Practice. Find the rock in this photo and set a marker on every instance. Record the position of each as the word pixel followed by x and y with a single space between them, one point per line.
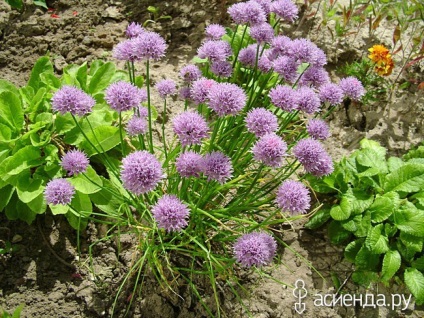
pixel 112 13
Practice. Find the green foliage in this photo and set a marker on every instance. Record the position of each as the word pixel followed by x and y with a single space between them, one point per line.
pixel 379 213
pixel 19 4
pixel 15 314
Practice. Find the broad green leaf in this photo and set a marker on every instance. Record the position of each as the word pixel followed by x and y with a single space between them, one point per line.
pixel 5 133
pixel 82 208
pixel 95 65
pixel 381 209
pixel 363 224
pixel 394 163
pixel 43 65
pixel 391 264
pixel 87 183
pixel 408 178
pixel 38 205
pixel 28 189
pixel 63 123
pixel 418 263
pixel 6 86
pixel 59 209
pixel 105 138
pixel 50 80
pixel 337 233
pixel 318 219
pixel 105 200
pixel 374 145
pixel 413 243
pixel 409 219
pixel 41 3
pixel 375 241
pixel 420 199
pixel 370 158
pixel 11 113
pixel 351 223
pixel 415 153
pixel 6 195
pixel 82 76
pixel 16 209
pixel 414 280
pixel 366 260
pixel 15 4
pixel 365 278
pixel 24 158
pixel 101 78
pixel 339 214
pixel 352 249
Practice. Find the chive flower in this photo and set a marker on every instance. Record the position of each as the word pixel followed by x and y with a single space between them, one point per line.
pixel 262 33
pixel 255 249
pixel 190 128
pixel 261 121
pixel 149 45
pixel 59 191
pixel 313 157
pixel 285 9
pixel 214 32
pixel 226 99
pixel 73 100
pixel 308 100
pixel 286 67
pixel 270 150
pixel 190 73
pixel 137 125
pixel 215 50
pixel 284 97
pixel 166 87
pixel 318 129
pixel 75 162
pixel 170 213
pixel 133 30
pixel 217 166
pixel 122 96
pixel 331 93
pixel 352 88
pixel 189 164
pixel 222 68
pixel 199 91
pixel 293 197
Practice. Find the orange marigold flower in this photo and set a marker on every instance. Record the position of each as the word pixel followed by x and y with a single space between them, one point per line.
pixel 383 60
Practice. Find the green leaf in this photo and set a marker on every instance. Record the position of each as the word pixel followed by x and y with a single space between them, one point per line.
pixel 370 158
pixel 41 3
pixel 414 280
pixel 420 199
pixel 375 241
pixel 363 224
pixel 63 123
pixel 82 76
pixel 365 278
pixel 408 178
pixel 351 223
pixel 101 78
pixel 59 209
pixel 24 158
pixel 105 138
pixel 11 113
pixel 409 219
pixel 6 86
pixel 352 249
pixel 28 189
pixel 366 260
pixel 391 264
pixel 5 133
pixel 43 65
pixel 394 163
pixel 6 195
pixel 318 219
pixel 15 4
pixel 105 201
pixel 16 209
pixel 50 80
pixel 418 263
pixel 337 233
pixel 337 213
pixel 82 208
pixel 413 243
pixel 381 209
pixel 374 145
pixel 87 183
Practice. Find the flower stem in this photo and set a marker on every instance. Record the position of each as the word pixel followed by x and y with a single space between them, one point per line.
pixel 149 107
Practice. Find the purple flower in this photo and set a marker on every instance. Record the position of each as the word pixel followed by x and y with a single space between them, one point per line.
pixel 264 63
pixel 190 73
pixel 352 88
pixel 189 164
pixel 280 45
pixel 221 68
pixel 59 191
pixel 312 155
pixel 265 4
pixel 285 9
pixel 217 50
pixel 270 150
pixel 286 67
pixel 136 126
pixel 247 55
pixel 261 121
pixel 214 31
pixel 75 162
pixel 318 129
pixel 318 58
pixel 284 97
pixel 262 32
pixel 73 100
pixel 123 51
pixel 308 100
pixel 123 96
pixel 331 93
pixel 293 196
pixel 143 112
pixel 247 12
pixel 314 76
pixel 134 29
pixel 149 45
pixel 166 87
pixel 255 249
pixel 170 213
pixel 141 172
pixel 302 50
pixel 226 99
pixel 185 93
pixel 199 91
pixel 217 166
pixel 190 128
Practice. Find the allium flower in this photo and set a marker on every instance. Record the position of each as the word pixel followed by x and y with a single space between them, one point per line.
pixel 190 128
pixel 226 99
pixel 318 129
pixel 59 191
pixel 318 58
pixel 189 164
pixel 75 162
pixel 134 29
pixel 123 51
pixel 247 55
pixel 265 4
pixel 352 88
pixel 331 93
pixel 143 112
pixel 190 73
pixel 222 68
pixel 166 87
pixel 264 63
pixel 286 67
pixel 217 50
pixel 170 213
pixel 122 96
pixel 149 45
pixel 293 196
pixel 270 150
pixel 314 76
pixel 285 9
pixel 141 172
pixel 312 155
pixel 185 93
pixel 308 100
pixel 199 91
pixel 73 100
pixel 214 31
pixel 284 97
pixel 261 121
pixel 217 166
pixel 280 45
pixel 136 126
pixel 262 32
pixel 302 50
pixel 255 249
pixel 247 12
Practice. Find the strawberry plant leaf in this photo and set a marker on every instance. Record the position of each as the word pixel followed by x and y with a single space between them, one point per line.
pixel 391 264
pixel 414 280
pixel 408 178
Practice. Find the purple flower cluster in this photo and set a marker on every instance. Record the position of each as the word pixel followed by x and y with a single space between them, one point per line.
pixel 261 121
pixel 270 150
pixel 214 32
pixel 137 125
pixel 73 100
pixel 286 67
pixel 189 164
pixel 352 88
pixel 312 155
pixel 75 162
pixel 226 99
pixel 200 88
pixel 170 213
pixel 314 76
pixel 331 93
pixel 190 73
pixel 222 68
pixel 255 249
pixel 217 166
pixel 122 96
pixel 285 9
pixel 293 196
pixel 141 172
pixel 318 129
pixel 190 128
pixel 166 87
pixel 59 191
pixel 133 30
pixel 247 55
pixel 215 50
pixel 247 12
pixel 308 100
pixel 280 45
pixel 284 97
pixel 262 33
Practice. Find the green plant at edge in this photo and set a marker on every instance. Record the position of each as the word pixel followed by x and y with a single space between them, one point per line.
pixel 15 314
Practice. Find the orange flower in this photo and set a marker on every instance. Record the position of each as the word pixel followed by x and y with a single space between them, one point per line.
pixel 383 60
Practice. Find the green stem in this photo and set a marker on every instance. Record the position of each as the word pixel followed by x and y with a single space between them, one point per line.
pixel 163 128
pixel 149 107
pixel 121 135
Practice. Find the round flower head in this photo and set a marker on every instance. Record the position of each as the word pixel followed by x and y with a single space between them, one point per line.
pixel 226 99
pixel 261 121
pixel 308 100
pixel 190 73
pixel 285 9
pixel 270 150
pixel 284 97
pixel 255 249
pixel 352 88
pixel 141 172
pixel 122 96
pixel 73 100
pixel 214 31
pixel 312 155
pixel 74 162
pixel 185 93
pixel 59 191
pixel 286 67
pixel 149 45
pixel 215 50
pixel 199 91
pixel 302 50
pixel 318 129
pixel 262 32
pixel 134 29
pixel 318 58
pixel 190 128
pixel 166 87
pixel 314 76
pixel 123 51
pixel 264 63
pixel 293 197
pixel 222 68
pixel 189 164
pixel 280 45
pixel 247 55
pixel 136 126
pixel 331 93
pixel 265 4
pixel 217 166
pixel 170 213
pixel 143 112
pixel 247 12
